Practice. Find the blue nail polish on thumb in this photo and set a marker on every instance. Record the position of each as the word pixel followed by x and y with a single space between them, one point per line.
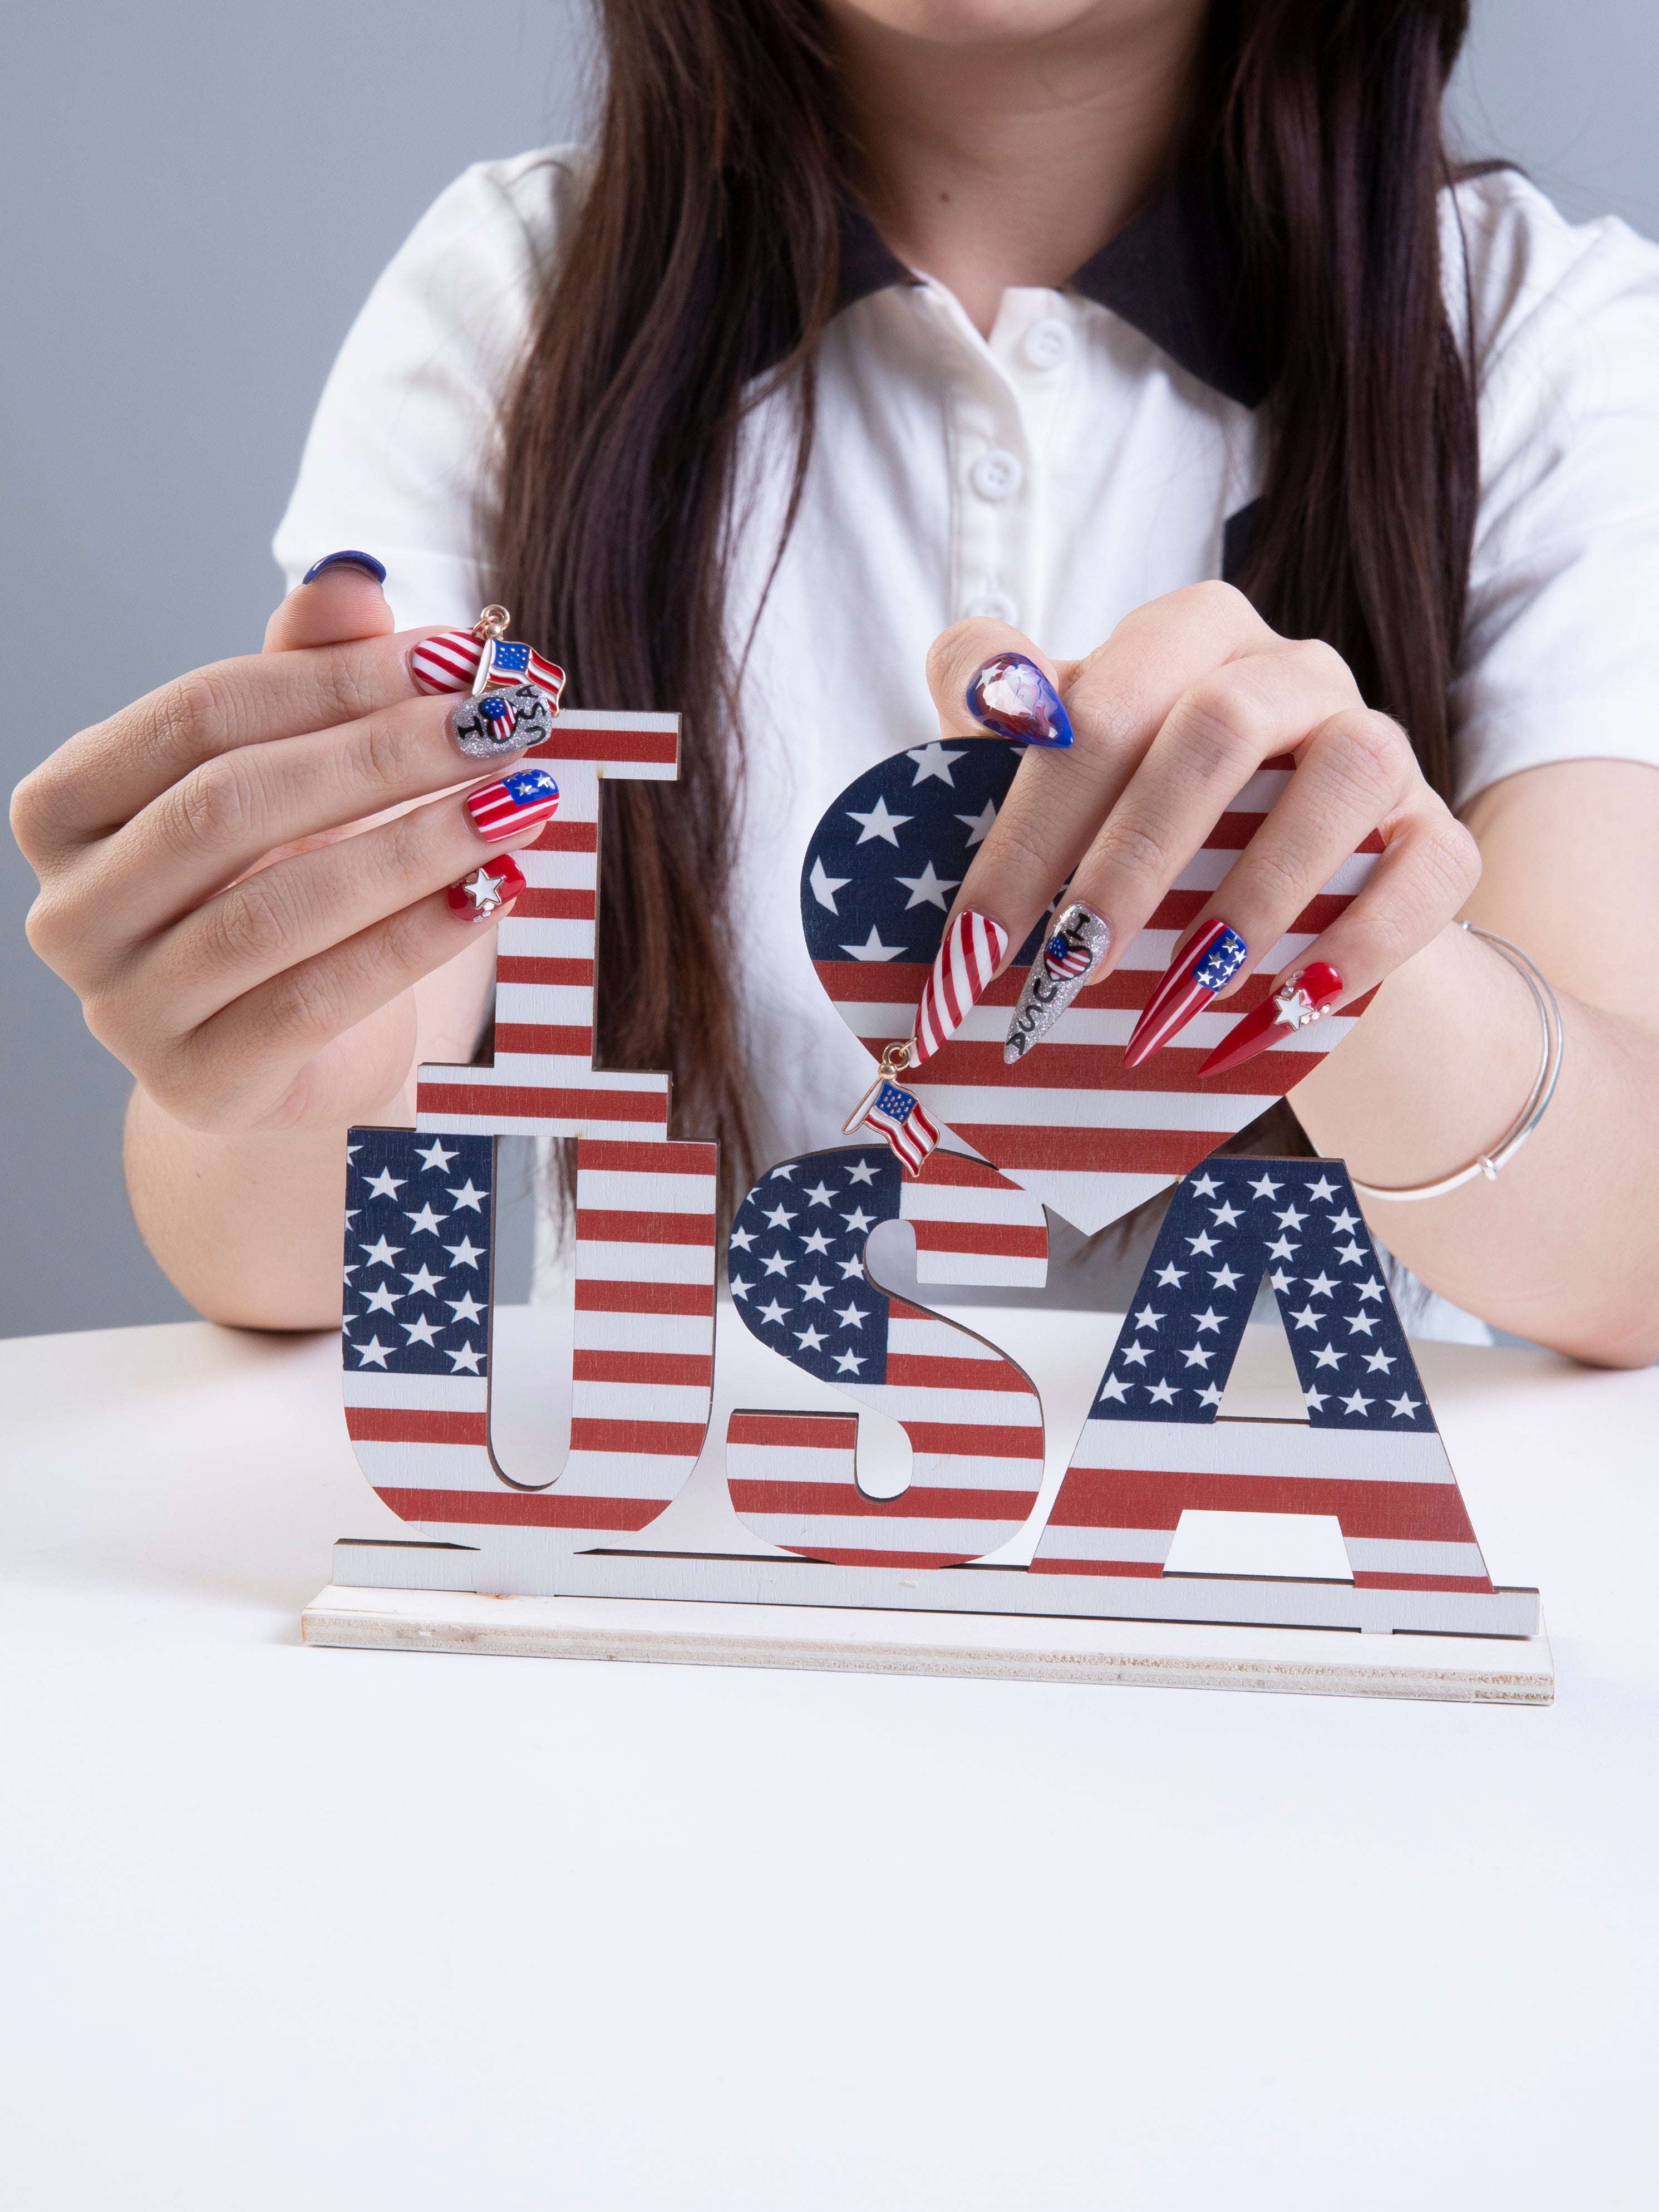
pixel 1011 695
pixel 363 561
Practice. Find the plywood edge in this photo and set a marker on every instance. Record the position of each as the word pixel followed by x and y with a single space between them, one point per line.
pixel 1167 1655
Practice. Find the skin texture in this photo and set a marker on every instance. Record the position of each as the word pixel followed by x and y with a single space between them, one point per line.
pixel 249 903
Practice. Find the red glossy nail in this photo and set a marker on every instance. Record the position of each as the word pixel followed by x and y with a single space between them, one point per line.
pixel 492 885
pixel 1301 998
pixel 523 796
pixel 1191 981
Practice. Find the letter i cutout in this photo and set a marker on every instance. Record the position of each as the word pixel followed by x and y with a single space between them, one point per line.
pixel 420 1212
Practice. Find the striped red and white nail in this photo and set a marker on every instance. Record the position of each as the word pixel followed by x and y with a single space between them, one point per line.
pixel 969 956
pixel 501 809
pixel 492 885
pixel 448 661
pixel 1308 996
pixel 1191 981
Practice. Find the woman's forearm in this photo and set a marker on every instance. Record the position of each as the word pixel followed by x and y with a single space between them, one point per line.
pixel 1563 1246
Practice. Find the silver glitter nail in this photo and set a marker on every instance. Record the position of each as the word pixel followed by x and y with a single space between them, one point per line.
pixel 478 728
pixel 1072 949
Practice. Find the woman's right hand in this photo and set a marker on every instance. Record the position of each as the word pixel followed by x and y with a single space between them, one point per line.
pixel 238 880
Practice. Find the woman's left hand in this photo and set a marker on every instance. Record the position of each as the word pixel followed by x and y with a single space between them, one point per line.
pixel 1171 717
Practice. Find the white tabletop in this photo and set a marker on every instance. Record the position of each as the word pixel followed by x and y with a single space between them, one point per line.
pixel 330 1929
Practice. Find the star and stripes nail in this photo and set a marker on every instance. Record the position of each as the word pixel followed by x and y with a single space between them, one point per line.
pixel 502 809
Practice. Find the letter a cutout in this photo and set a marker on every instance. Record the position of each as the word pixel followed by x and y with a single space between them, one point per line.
pixel 420 1217
pixel 1369 1455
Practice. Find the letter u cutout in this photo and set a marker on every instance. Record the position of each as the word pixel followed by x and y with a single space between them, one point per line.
pixel 420 1217
pixel 799 1277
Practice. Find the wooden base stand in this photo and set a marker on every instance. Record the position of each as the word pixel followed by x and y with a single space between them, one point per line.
pixel 1488 1670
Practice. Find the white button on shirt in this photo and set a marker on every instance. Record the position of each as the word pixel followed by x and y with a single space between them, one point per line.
pixel 1057 474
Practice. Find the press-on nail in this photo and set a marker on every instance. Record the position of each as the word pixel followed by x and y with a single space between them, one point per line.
pixel 501 722
pixel 1011 695
pixel 489 888
pixel 500 810
pixel 1302 999
pixel 364 561
pixel 974 945
pixel 1192 980
pixel 1071 951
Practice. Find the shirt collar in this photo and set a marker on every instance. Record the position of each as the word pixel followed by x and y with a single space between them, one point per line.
pixel 1169 272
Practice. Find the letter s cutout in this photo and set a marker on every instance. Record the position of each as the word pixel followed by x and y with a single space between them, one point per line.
pixel 800 1279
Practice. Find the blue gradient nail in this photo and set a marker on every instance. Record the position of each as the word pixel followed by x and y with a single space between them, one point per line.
pixel 364 561
pixel 1011 695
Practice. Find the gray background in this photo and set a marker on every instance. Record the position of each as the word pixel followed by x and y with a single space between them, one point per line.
pixel 199 197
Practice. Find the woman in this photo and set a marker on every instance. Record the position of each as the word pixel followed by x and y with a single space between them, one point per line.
pixel 1199 299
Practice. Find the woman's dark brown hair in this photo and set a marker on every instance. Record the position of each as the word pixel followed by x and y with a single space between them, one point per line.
pixel 705 256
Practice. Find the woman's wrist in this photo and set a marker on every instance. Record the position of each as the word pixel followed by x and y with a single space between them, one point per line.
pixel 1436 1071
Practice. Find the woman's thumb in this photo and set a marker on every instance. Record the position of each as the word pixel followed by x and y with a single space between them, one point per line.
pixel 339 600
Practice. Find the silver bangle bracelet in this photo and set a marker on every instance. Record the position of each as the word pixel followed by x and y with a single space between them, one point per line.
pixel 1543 1090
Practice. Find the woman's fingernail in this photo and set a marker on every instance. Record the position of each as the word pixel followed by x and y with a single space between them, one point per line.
pixel 500 810
pixel 364 561
pixel 501 722
pixel 1011 695
pixel 1071 952
pixel 488 888
pixel 446 661
pixel 1306 997
pixel 1194 975
pixel 973 946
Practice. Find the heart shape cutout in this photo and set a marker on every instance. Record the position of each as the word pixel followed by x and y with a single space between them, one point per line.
pixel 1068 1122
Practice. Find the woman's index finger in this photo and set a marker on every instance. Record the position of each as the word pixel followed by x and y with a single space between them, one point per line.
pixel 104 776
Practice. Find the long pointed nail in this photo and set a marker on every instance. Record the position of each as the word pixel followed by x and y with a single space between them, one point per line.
pixel 973 948
pixel 365 561
pixel 1011 695
pixel 500 810
pixel 501 722
pixel 1070 953
pixel 1191 981
pixel 1306 997
pixel 489 888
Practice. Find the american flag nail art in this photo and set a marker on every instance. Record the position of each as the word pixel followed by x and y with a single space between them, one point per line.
pixel 1072 949
pixel 974 945
pixel 501 809
pixel 448 661
pixel 1192 980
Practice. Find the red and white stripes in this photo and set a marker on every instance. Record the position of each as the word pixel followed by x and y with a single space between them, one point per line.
pixel 1402 1516
pixel 975 1422
pixel 543 1081
pixel 964 964
pixel 448 661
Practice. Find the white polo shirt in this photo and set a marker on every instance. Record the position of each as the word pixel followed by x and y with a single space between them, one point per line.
pixel 1101 447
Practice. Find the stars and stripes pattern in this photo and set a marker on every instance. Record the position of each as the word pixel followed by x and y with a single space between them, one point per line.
pixel 797 1272
pixel 963 966
pixel 419 1229
pixel 1066 1122
pixel 448 661
pixel 543 1081
pixel 524 795
pixel 1369 1453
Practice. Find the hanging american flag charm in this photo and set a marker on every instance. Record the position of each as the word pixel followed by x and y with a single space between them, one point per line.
pixel 896 1114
